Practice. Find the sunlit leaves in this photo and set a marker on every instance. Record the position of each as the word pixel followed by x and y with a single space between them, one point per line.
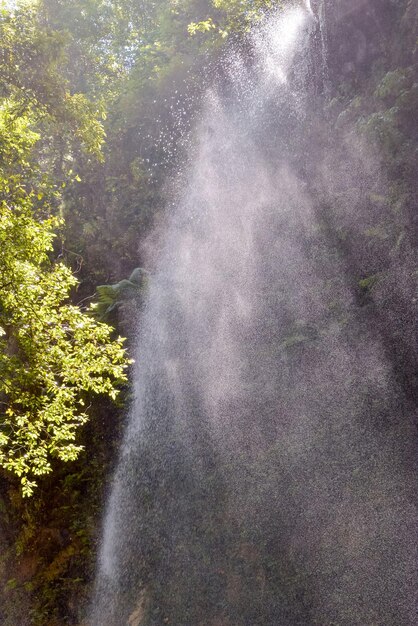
pixel 53 355
pixel 232 16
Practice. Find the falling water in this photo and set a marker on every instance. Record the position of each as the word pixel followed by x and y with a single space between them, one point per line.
pixel 264 478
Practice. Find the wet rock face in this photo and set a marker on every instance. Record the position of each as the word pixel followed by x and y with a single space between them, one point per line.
pixel 357 34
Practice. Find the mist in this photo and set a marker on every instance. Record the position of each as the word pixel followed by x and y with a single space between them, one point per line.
pixel 267 473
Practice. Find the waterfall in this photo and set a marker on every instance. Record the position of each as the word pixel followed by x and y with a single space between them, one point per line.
pixel 263 475
pixel 322 20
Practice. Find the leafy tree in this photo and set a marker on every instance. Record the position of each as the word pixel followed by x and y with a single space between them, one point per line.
pixel 231 17
pixel 53 355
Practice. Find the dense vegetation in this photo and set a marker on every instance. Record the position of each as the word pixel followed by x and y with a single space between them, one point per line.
pixel 95 96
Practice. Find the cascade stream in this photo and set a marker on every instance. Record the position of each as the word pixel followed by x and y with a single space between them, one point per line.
pixel 265 473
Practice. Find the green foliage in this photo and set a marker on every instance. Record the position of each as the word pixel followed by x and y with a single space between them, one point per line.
pixel 87 132
pixel 52 354
pixel 393 84
pixel 231 16
pixel 241 13
pixel 109 297
pixel 367 284
pixel 32 56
